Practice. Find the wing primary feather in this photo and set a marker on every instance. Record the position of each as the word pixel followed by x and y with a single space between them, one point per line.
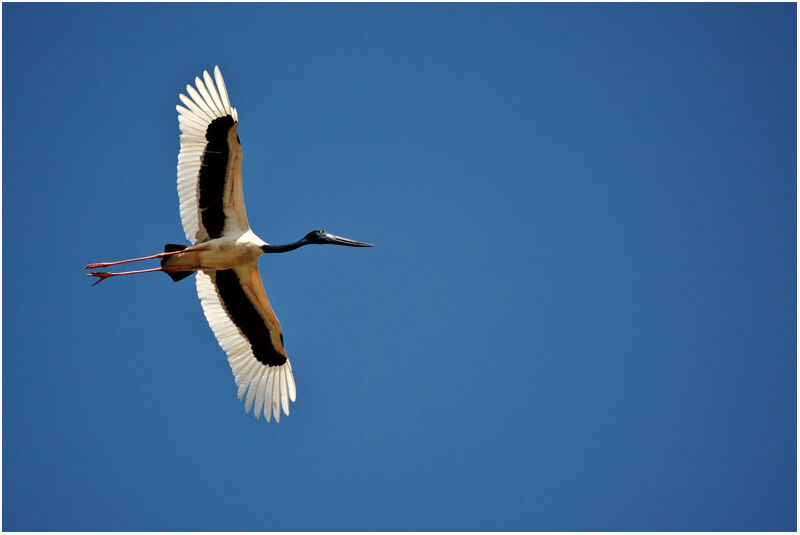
pixel 223 91
pixel 200 102
pixel 268 395
pixel 284 392
pixel 206 95
pixel 213 92
pixel 259 407
pixel 193 106
pixel 276 407
pixel 290 382
pixel 245 378
pixel 251 391
pixel 193 121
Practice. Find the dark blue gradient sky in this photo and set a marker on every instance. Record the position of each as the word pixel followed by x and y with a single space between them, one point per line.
pixel 580 315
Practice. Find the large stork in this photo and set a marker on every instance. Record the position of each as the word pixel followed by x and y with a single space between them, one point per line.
pixel 224 251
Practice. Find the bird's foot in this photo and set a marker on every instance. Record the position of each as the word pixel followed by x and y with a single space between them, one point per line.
pixel 99 265
pixel 101 276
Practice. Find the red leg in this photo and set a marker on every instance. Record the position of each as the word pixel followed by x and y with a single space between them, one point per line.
pixel 159 255
pixel 103 275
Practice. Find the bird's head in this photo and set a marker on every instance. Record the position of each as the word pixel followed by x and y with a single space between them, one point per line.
pixel 322 237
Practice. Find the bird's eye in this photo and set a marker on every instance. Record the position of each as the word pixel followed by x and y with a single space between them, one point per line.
pixel 320 232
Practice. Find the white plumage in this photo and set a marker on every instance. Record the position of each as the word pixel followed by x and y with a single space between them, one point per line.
pixel 246 369
pixel 193 121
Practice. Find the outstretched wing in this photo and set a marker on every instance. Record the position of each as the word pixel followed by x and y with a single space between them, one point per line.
pixel 246 328
pixel 210 162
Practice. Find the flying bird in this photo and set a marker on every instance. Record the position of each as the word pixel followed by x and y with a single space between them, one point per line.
pixel 224 251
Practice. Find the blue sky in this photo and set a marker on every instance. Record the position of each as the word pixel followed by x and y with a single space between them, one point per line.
pixel 581 311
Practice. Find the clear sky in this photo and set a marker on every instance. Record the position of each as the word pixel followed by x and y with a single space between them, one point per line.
pixel 580 313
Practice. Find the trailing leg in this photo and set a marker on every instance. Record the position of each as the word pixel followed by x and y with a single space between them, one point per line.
pixel 180 271
pixel 168 251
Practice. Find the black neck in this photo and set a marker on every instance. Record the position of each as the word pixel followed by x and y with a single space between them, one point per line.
pixel 284 248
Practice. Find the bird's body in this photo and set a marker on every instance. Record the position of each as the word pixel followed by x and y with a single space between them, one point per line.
pixel 224 251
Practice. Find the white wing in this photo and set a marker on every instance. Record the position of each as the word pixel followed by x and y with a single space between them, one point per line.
pixel 209 162
pixel 237 309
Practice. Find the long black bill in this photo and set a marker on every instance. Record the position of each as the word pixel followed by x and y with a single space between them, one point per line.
pixel 338 240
